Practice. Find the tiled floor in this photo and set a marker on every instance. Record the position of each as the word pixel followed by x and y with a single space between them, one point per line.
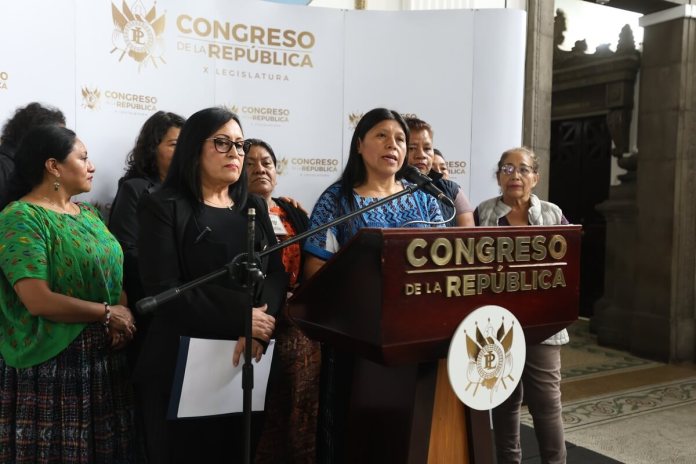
pixel 575 389
pixel 590 370
pixel 623 407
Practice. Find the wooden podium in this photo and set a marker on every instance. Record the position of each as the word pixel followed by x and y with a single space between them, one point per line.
pixel 394 298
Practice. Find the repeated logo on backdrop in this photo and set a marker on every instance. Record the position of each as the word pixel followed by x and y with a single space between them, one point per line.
pixel 308 166
pixel 138 34
pixel 262 115
pixel 4 78
pixel 281 165
pixel 90 97
pixel 456 167
pixel 353 119
pixel 121 101
pixel 266 114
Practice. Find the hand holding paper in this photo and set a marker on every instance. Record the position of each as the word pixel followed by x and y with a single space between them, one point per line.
pixel 256 350
pixel 207 384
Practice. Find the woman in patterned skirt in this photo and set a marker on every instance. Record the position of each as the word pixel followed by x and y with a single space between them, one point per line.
pixel 290 427
pixel 64 391
pixel 375 168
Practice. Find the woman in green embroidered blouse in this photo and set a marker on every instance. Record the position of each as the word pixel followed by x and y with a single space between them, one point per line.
pixel 64 391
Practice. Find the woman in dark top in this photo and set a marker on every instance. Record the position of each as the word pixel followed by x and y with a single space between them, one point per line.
pixel 439 164
pixel 292 402
pixel 148 164
pixel 421 155
pixel 193 225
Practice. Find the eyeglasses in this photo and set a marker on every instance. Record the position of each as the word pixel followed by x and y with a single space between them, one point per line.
pixel 223 145
pixel 509 169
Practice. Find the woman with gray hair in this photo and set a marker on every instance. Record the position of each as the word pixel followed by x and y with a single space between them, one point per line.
pixel 517 175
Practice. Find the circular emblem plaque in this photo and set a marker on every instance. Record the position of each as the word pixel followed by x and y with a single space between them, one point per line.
pixel 486 357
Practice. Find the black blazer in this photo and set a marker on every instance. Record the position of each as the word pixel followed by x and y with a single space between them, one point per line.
pixel 209 311
pixel 123 223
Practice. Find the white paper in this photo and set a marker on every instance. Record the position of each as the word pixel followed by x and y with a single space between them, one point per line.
pixel 213 386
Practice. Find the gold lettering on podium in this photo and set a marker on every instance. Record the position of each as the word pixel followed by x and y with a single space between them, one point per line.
pixel 446 252
pixel 416 244
pixel 474 265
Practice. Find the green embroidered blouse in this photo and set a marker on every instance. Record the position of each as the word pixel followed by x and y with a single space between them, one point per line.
pixel 76 255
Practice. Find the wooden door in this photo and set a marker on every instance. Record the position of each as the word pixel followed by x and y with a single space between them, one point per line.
pixel 579 180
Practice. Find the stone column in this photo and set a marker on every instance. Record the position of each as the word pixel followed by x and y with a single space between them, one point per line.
pixel 538 75
pixel 664 320
pixel 614 310
pixel 621 212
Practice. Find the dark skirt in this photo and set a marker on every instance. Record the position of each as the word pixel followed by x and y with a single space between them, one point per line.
pixel 292 401
pixel 76 407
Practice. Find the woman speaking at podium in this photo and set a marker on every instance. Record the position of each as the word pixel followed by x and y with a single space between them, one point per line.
pixel 517 175
pixel 195 224
pixel 375 170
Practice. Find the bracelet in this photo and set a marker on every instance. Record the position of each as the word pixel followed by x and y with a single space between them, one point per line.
pixel 107 316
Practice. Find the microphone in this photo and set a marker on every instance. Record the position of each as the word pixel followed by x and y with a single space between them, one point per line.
pixel 424 182
pixel 205 232
pixel 149 304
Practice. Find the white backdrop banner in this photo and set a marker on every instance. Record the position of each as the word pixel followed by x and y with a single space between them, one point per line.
pixel 37 56
pixel 298 77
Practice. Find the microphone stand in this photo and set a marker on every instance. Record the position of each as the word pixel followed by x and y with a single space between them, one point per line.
pixel 253 277
pixel 150 303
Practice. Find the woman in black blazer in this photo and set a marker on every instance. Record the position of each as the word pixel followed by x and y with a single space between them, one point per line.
pixel 147 166
pixel 196 223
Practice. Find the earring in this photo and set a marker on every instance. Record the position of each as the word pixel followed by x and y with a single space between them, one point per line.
pixel 56 184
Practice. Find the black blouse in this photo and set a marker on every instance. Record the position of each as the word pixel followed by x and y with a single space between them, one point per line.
pixel 210 247
pixel 177 245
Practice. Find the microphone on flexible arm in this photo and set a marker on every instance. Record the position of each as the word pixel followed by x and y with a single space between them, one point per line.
pixel 413 175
